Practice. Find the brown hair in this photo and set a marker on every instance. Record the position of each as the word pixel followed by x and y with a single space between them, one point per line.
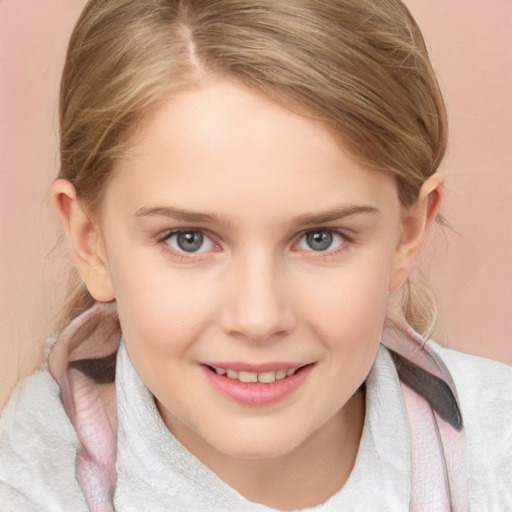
pixel 360 66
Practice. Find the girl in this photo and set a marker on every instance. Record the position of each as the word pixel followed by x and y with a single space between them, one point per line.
pixel 245 186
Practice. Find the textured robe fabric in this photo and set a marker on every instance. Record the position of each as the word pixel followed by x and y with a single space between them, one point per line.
pixel 39 446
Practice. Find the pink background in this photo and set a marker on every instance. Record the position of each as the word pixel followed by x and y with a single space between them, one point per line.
pixel 471 268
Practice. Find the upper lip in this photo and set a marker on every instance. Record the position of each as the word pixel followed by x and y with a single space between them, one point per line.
pixel 254 368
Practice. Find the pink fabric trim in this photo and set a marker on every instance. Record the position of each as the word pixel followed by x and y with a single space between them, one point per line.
pixel 451 444
pixel 90 406
pixel 430 492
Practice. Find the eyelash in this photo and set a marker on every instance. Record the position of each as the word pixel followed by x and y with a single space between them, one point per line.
pixel 183 256
pixel 329 253
pixel 196 256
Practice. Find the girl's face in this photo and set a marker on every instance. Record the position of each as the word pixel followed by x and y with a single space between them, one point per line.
pixel 240 236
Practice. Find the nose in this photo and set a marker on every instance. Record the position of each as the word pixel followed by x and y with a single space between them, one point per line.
pixel 257 305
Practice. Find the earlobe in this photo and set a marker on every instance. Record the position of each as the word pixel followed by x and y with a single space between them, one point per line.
pixel 85 240
pixel 415 223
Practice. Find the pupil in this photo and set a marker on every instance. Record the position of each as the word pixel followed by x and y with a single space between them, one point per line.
pixel 190 241
pixel 319 240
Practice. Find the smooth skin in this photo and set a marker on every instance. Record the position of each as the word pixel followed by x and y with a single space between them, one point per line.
pixel 288 251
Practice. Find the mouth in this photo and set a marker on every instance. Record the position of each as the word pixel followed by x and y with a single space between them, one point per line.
pixel 257 388
pixel 267 377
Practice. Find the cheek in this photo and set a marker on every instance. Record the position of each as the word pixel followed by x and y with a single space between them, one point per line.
pixel 347 307
pixel 161 309
pixel 162 317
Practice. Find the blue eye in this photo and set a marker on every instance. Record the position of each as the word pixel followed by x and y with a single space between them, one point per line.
pixel 321 240
pixel 189 241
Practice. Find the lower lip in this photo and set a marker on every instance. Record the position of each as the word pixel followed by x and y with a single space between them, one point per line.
pixel 257 393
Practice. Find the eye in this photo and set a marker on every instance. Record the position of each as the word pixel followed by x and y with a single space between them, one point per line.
pixel 321 240
pixel 189 241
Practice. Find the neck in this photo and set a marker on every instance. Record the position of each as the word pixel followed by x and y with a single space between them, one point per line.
pixel 305 477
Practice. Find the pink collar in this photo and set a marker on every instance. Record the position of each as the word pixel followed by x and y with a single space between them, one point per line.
pixel 82 361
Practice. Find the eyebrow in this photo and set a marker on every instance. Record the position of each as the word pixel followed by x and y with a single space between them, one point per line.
pixel 332 215
pixel 300 220
pixel 180 214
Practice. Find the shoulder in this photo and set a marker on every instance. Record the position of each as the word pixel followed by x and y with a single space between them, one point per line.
pixel 484 388
pixel 38 447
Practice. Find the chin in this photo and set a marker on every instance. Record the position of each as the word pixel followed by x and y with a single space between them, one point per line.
pixel 258 451
pixel 259 444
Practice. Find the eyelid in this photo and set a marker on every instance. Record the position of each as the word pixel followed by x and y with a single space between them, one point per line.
pixel 347 240
pixel 184 255
pixel 164 235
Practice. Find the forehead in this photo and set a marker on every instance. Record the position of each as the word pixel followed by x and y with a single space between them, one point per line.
pixel 225 146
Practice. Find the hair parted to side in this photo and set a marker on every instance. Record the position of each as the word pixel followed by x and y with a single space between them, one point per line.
pixel 360 66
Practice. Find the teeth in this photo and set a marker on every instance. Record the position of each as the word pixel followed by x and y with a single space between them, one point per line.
pixel 247 377
pixel 280 374
pixel 264 378
pixel 267 377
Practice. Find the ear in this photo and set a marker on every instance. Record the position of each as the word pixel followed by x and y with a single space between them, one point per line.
pixel 415 223
pixel 85 239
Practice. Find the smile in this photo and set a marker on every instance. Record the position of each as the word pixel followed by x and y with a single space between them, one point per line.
pixel 264 377
pixel 256 388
